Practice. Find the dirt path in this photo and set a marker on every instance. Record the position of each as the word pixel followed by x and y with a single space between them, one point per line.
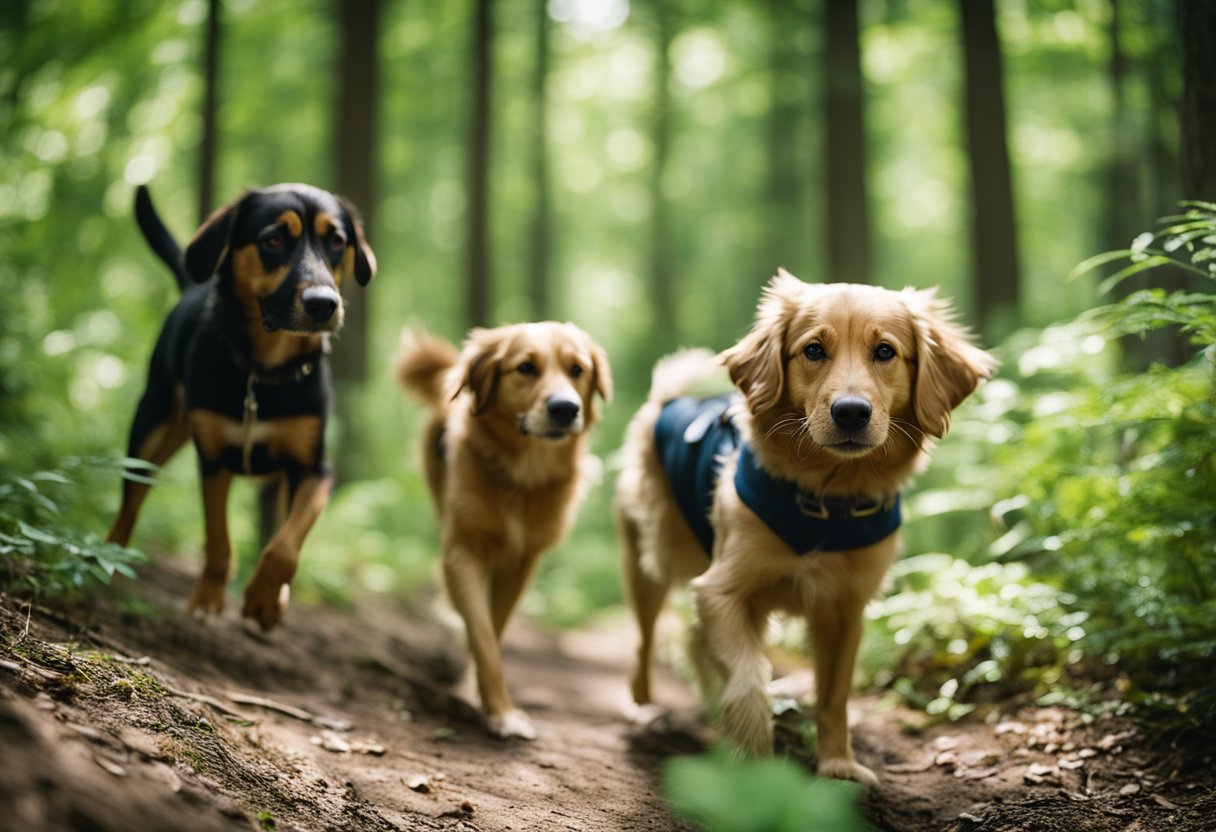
pixel 127 715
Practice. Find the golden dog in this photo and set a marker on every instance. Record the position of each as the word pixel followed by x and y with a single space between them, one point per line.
pixel 506 459
pixel 843 388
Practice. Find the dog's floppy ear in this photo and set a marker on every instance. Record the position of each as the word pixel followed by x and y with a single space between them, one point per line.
pixel 949 365
pixel 602 372
pixel 480 367
pixel 757 362
pixel 208 250
pixel 365 258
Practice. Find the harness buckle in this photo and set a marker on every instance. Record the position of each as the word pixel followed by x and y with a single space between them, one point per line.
pixel 812 506
pixel 865 509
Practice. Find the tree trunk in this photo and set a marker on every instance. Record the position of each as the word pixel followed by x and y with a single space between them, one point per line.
pixel 477 244
pixel 781 190
pixel 994 250
pixel 1197 31
pixel 355 172
pixel 542 212
pixel 1123 218
pixel 207 144
pixel 847 208
pixel 662 267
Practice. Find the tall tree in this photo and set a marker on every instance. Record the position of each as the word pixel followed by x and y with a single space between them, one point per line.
pixel 994 249
pixel 847 208
pixel 781 190
pixel 1123 218
pixel 477 242
pixel 1197 30
pixel 354 165
pixel 662 264
pixel 542 210
pixel 207 144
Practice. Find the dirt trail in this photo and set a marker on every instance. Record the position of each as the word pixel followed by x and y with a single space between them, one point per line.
pixel 128 715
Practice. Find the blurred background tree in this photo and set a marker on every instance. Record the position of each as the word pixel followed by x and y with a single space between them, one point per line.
pixel 641 168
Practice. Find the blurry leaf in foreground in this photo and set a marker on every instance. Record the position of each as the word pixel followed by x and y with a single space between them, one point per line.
pixel 721 794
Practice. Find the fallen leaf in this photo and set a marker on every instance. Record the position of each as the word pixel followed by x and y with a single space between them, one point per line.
pixel 419 783
pixel 1130 788
pixel 1111 740
pixel 946 758
pixel 331 741
pixel 976 773
pixel 1040 769
pixel 945 743
pixel 1168 804
pixel 1009 727
pixel 1071 765
pixel 112 767
pixel 367 747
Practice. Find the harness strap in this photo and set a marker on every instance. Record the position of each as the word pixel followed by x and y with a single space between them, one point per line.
pixel 693 437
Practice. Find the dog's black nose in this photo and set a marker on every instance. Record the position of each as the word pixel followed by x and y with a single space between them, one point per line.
pixel 320 302
pixel 562 410
pixel 851 413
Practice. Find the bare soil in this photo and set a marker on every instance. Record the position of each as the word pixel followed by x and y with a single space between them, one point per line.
pixel 123 713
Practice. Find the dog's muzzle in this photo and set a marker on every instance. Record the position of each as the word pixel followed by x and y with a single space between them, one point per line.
pixel 562 410
pixel 320 303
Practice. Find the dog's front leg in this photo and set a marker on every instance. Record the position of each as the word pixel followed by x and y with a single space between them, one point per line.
pixel 267 593
pixel 731 633
pixel 835 635
pixel 468 583
pixel 208 594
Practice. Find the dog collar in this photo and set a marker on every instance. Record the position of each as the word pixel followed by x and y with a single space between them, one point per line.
pixel 694 436
pixel 293 371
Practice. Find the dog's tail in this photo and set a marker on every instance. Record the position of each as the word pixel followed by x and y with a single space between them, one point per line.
pixel 423 361
pixel 158 237
pixel 690 372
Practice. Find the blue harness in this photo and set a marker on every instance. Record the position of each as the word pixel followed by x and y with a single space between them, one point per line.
pixel 693 436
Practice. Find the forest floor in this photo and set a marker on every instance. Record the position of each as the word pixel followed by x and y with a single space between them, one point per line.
pixel 123 713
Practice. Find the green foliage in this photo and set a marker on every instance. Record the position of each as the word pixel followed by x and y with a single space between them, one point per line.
pixel 1101 488
pixel 722 794
pixel 39 550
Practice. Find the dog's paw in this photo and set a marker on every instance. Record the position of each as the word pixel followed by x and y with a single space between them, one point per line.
pixel 266 601
pixel 645 714
pixel 207 598
pixel 839 768
pixel 513 723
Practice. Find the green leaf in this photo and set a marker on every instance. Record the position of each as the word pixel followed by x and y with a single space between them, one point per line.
pixel 1147 263
pixel 36 534
pixel 1098 260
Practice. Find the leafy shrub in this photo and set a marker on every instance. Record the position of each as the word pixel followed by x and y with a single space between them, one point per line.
pixel 1100 487
pixel 42 552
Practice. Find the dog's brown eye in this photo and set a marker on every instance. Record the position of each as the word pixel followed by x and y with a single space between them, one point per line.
pixel 575 370
pixel 337 242
pixel 527 369
pixel 814 351
pixel 274 242
pixel 884 353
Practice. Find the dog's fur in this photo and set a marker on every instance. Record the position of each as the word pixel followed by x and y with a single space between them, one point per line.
pixel 810 347
pixel 505 454
pixel 240 368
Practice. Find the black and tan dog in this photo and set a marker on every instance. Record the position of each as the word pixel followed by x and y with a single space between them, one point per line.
pixel 240 367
